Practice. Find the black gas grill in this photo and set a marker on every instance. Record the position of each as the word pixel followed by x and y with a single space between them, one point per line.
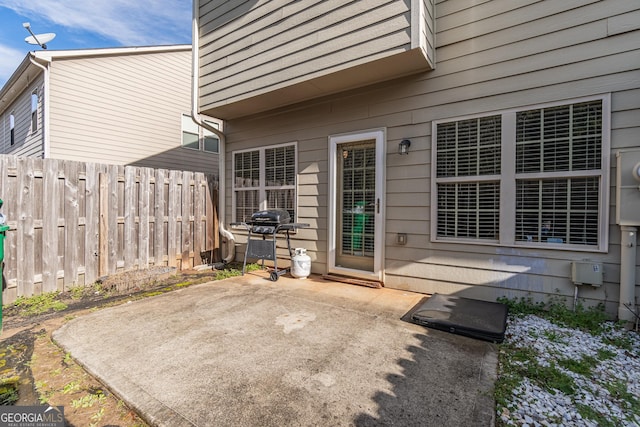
pixel 263 224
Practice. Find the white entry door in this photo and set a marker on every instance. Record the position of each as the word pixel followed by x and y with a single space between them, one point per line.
pixel 356 205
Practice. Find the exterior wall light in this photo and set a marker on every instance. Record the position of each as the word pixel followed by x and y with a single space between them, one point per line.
pixel 403 147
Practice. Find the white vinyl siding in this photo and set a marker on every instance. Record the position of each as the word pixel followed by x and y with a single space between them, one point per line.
pixel 556 172
pixel 264 179
pixel 124 109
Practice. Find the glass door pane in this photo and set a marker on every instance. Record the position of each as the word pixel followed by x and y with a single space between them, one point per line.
pixel 356 197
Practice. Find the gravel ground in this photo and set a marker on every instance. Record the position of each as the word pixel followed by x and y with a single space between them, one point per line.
pixel 599 375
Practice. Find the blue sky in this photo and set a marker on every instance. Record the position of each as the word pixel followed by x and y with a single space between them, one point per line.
pixel 86 24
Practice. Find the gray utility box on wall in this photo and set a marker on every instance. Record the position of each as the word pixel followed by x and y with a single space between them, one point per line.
pixel 628 187
pixel 586 273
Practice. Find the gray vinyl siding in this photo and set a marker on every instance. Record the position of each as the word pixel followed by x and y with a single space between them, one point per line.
pixel 27 143
pixel 252 48
pixel 124 109
pixel 491 56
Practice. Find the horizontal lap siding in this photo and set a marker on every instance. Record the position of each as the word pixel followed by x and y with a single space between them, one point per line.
pixel 124 110
pixel 27 143
pixel 491 55
pixel 515 58
pixel 277 43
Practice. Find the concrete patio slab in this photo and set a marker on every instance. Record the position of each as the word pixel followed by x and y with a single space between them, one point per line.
pixel 250 352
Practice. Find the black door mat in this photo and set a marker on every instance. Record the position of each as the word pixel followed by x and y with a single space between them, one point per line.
pixel 463 316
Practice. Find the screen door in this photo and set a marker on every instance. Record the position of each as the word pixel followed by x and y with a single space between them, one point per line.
pixel 356 215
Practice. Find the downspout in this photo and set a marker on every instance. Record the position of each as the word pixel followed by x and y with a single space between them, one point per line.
pixel 227 237
pixel 626 307
pixel 45 107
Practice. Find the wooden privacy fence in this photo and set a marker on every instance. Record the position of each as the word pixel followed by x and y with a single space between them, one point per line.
pixel 71 222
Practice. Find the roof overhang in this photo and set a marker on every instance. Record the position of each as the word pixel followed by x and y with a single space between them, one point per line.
pixel 21 78
pixel 384 69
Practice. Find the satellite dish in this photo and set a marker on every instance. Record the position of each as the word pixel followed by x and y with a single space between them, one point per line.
pixel 38 39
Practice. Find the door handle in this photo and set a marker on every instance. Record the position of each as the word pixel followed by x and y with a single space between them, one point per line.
pixel 378 205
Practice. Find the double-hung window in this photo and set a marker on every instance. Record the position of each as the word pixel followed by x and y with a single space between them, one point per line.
pixel 528 177
pixel 197 137
pixel 264 178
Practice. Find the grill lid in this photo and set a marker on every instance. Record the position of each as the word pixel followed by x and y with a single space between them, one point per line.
pixel 271 217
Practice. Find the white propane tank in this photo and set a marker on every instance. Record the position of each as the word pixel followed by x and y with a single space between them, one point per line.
pixel 300 264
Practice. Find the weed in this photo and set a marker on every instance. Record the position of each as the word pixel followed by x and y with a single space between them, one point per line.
pixel 71 387
pixel 604 354
pixel 552 374
pixel 582 366
pixel 551 378
pixel 227 273
pixel 67 360
pixel 589 413
pixel 89 400
pixel 8 395
pixel 552 336
pixel 152 294
pixel 39 304
pixel 590 319
pixel 77 292
pixel 9 388
pixel 624 343
pixel 44 393
pixel 183 284
pixel 518 363
pixel 620 392
pixel 231 271
pixel 522 306
pixel 97 416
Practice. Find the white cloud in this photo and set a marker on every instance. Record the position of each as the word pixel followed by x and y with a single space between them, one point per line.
pixel 130 23
pixel 11 58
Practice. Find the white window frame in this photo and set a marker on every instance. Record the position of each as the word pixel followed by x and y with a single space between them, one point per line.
pixel 507 179
pixel 12 129
pixel 262 187
pixel 34 111
pixel 200 132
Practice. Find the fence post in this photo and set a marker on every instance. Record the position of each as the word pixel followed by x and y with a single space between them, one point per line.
pixel 103 228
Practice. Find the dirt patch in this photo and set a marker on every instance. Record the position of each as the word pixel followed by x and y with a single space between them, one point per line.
pixel 35 371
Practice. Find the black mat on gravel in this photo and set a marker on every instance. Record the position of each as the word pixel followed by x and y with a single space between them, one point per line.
pixel 463 316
